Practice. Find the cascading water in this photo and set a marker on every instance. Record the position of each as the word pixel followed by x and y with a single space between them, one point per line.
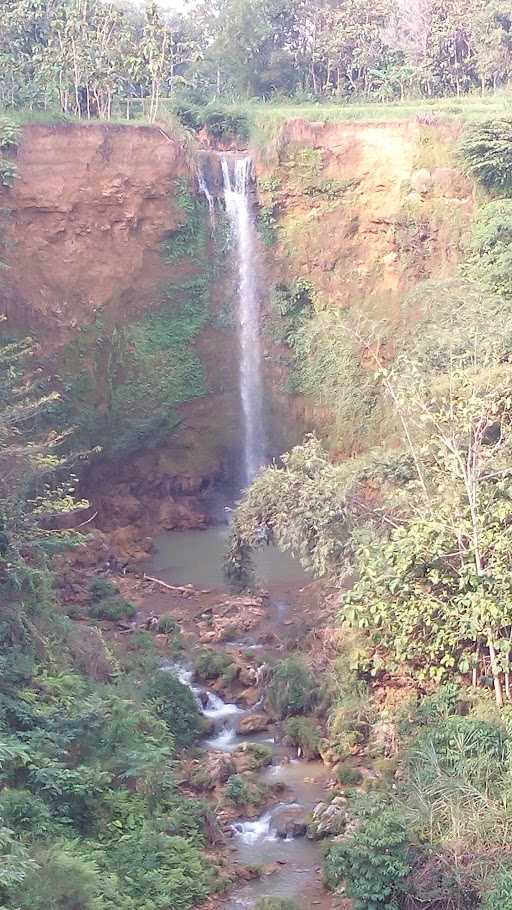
pixel 236 174
pixel 205 190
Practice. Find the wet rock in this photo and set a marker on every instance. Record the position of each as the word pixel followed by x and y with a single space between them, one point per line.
pixel 247 676
pixel 253 723
pixel 291 822
pixel 249 697
pixel 328 819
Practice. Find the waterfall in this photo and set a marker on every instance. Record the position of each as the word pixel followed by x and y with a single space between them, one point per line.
pixel 236 176
pixel 204 189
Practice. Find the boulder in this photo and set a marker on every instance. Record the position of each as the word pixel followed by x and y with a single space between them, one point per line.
pixel 253 723
pixel 216 769
pixel 290 822
pixel 328 819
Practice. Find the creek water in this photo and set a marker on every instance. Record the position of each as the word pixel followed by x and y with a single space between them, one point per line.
pixel 196 557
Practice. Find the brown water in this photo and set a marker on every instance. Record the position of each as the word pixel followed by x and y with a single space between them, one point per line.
pixel 196 557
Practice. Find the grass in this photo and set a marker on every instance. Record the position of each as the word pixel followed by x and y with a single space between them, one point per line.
pixel 266 118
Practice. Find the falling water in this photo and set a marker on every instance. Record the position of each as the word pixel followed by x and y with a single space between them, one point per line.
pixel 237 183
pixel 205 190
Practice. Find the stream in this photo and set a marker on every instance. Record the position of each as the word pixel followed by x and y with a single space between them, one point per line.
pixel 196 557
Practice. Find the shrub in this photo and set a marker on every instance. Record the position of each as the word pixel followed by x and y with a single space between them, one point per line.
pixel 176 705
pixel 167 625
pixel 62 881
pixel 24 812
pixel 487 151
pixel 101 588
pixel 210 664
pixel 113 609
pixel 304 734
pixel 292 688
pixel 500 895
pixel 237 790
pixel 348 775
pixel 227 125
pixel 261 753
pixel 374 862
pixel 161 871
pixel 229 675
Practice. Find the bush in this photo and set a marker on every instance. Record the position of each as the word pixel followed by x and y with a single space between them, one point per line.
pixel 224 125
pixel 304 734
pixel 100 588
pixel 167 625
pixel 500 895
pixel 210 664
pixel 25 813
pixel 487 151
pixel 348 775
pixel 261 753
pixel 113 609
pixel 292 688
pixel 237 790
pixel 161 871
pixel 374 862
pixel 176 705
pixel 62 881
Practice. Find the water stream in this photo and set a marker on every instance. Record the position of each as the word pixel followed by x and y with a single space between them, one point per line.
pixel 196 556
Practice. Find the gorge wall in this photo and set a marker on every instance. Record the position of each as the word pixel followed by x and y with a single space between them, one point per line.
pixel 114 269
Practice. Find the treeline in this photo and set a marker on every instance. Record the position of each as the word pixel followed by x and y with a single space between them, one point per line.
pixel 96 59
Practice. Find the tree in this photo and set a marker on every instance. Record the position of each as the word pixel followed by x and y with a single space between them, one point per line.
pixel 437 592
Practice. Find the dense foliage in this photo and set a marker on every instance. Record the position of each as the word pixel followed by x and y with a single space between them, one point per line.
pixel 96 59
pixel 90 816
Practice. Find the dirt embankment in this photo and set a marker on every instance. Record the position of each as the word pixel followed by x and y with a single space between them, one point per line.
pixel 88 210
pixel 362 212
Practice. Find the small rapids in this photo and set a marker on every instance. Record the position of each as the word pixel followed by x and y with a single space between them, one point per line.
pixel 294 861
pixel 217 709
pixel 258 829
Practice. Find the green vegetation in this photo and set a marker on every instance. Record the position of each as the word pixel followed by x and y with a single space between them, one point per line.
pixel 374 861
pixel 486 150
pixel 112 608
pixel 347 775
pixel 210 664
pixel 167 625
pixel 96 61
pixel 304 734
pixel 87 772
pixel 124 383
pixel 176 706
pixel 292 689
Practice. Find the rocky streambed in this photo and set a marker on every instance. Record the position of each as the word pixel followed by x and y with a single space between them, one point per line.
pixel 273 842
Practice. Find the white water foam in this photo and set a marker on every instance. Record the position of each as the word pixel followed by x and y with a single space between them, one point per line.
pixel 256 830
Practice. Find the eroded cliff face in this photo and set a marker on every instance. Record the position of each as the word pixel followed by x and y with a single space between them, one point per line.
pixel 112 269
pixel 90 205
pixel 362 212
pixel 113 266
